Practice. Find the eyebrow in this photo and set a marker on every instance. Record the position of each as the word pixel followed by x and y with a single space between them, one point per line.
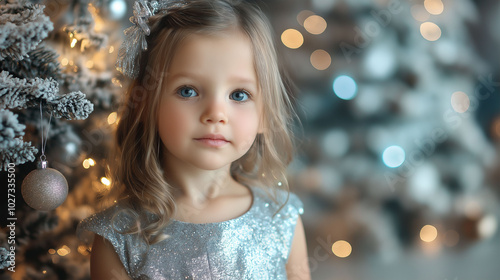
pixel 238 79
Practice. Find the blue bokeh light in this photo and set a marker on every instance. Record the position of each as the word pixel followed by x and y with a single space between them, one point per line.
pixel 393 156
pixel 118 8
pixel 345 87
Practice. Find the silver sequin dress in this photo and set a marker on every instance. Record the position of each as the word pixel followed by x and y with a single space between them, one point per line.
pixel 255 245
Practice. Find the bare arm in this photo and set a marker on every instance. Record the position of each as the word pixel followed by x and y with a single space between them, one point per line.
pixel 297 267
pixel 105 263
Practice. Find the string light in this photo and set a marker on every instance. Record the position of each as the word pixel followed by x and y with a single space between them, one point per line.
pixel 321 59
pixel 87 163
pixel 105 181
pixel 292 38
pixel 460 102
pixel 64 61
pixel 345 87
pixel 112 118
pixel 430 31
pixel 434 7
pixel 393 156
pixel 83 250
pixel 315 24
pixel 342 249
pixel 73 42
pixel 63 251
pixel 428 233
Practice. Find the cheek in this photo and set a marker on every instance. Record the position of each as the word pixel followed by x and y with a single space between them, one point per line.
pixel 171 122
pixel 246 130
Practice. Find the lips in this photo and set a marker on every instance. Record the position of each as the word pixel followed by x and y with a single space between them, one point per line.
pixel 212 140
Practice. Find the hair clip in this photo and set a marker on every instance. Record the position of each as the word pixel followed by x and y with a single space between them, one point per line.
pixel 135 36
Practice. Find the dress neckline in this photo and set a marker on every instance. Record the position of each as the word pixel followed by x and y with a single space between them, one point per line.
pixel 233 220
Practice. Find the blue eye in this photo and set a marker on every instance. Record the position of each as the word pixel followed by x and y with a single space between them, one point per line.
pixel 187 92
pixel 239 96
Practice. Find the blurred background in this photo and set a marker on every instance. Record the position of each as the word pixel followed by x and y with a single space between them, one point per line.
pixel 398 153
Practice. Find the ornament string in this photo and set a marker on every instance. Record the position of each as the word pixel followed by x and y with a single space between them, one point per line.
pixel 44 142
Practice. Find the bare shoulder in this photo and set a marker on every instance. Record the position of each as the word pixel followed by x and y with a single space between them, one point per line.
pixel 297 267
pixel 104 262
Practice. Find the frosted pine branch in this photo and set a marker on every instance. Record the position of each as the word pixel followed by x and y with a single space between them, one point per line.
pixel 10 129
pixel 22 93
pixel 41 62
pixel 22 28
pixel 19 152
pixel 71 106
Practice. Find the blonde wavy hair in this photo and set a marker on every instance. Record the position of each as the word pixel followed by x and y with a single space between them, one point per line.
pixel 136 171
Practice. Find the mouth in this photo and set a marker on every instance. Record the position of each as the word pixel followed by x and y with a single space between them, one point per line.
pixel 212 140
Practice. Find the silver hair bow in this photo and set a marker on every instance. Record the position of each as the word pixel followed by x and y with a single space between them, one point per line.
pixel 135 36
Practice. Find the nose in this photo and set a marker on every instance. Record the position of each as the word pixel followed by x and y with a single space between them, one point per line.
pixel 214 112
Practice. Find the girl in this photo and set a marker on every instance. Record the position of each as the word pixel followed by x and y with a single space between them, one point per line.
pixel 202 146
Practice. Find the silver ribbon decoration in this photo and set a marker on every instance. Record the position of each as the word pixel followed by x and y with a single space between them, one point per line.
pixel 135 38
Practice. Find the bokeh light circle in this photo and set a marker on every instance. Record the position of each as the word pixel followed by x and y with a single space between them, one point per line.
pixel 342 249
pixel 434 7
pixel 321 59
pixel 460 102
pixel 430 31
pixel 345 87
pixel 315 24
pixel 428 233
pixel 292 38
pixel 393 156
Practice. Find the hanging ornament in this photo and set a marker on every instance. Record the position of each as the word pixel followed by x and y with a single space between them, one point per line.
pixel 44 188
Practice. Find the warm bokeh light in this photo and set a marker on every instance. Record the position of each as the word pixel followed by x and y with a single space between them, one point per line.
pixel 87 163
pixel 428 233
pixel 321 59
pixel 303 15
pixel 434 7
pixel 393 156
pixel 111 49
pixel 315 24
pixel 419 13
pixel 460 102
pixel 105 181
pixel 63 251
pixel 73 42
pixel 64 61
pixel 342 249
pixel 451 238
pixel 83 250
pixel 52 251
pixel 430 31
pixel 112 118
pixel 292 38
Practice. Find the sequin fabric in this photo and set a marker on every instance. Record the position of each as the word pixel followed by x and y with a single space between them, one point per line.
pixel 255 245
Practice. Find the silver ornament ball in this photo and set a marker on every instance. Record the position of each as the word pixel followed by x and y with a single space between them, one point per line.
pixel 44 189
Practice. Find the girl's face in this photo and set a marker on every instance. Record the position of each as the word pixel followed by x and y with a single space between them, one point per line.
pixel 210 109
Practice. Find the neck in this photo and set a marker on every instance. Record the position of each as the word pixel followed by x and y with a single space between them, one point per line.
pixel 195 185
